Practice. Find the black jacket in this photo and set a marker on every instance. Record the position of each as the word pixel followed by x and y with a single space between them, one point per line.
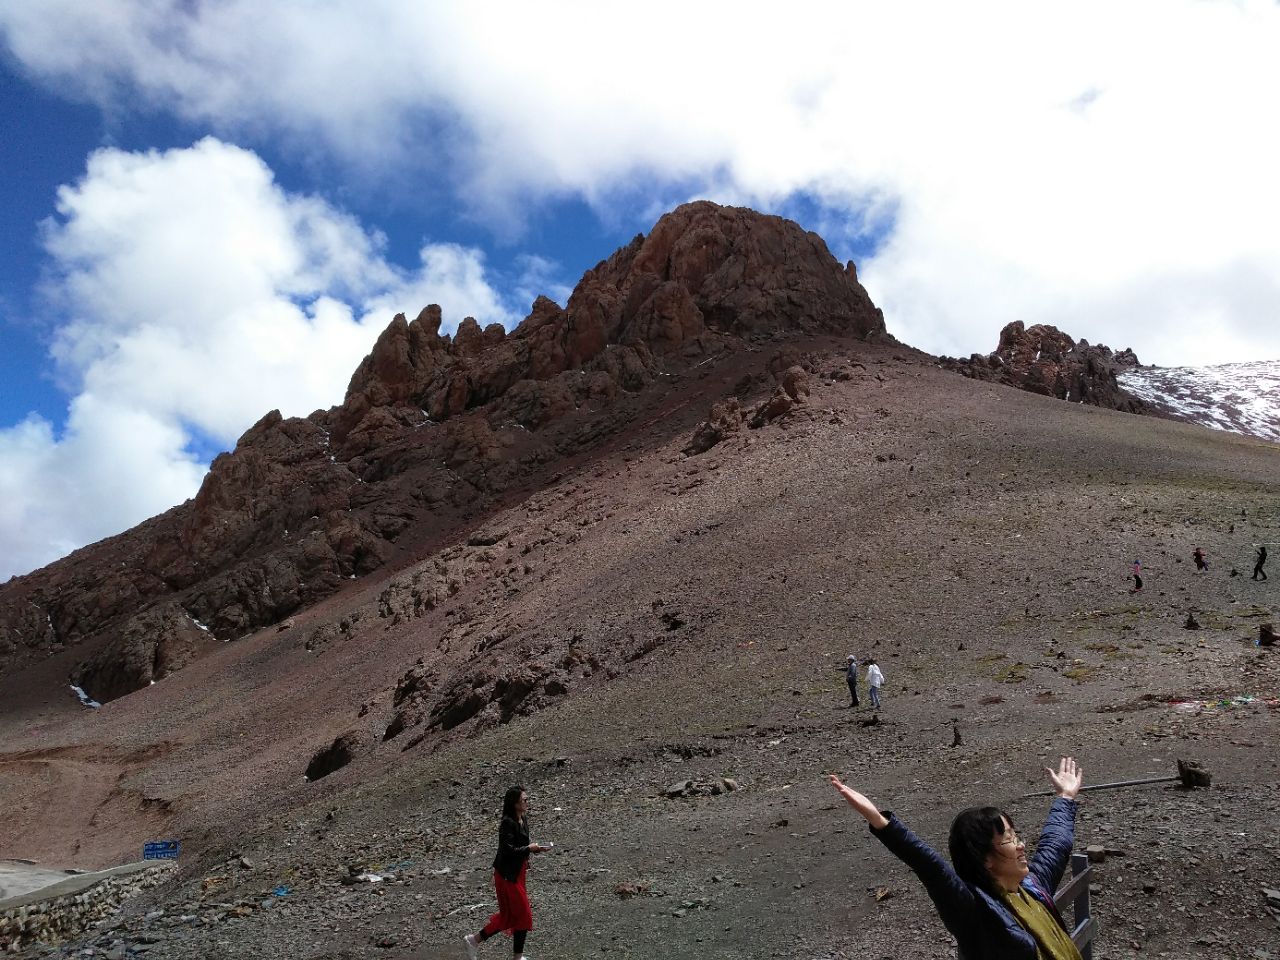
pixel 513 848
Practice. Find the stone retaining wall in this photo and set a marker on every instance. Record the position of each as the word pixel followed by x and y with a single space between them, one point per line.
pixel 64 910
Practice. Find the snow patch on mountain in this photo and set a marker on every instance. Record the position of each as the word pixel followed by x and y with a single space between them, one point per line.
pixel 1240 397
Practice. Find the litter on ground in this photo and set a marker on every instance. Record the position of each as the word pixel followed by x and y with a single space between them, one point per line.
pixel 1223 703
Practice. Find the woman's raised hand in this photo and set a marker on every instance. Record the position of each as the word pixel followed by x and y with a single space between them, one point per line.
pixel 1068 779
pixel 860 803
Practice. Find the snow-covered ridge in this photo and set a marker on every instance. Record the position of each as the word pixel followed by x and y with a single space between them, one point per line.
pixel 1241 397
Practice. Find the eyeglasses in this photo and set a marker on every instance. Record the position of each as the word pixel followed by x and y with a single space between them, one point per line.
pixel 1011 840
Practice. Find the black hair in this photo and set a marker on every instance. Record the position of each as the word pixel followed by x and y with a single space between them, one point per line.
pixel 509 801
pixel 972 839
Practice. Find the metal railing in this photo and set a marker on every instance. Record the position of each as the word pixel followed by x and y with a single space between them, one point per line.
pixel 1076 896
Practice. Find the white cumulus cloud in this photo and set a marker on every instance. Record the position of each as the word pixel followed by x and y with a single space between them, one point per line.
pixel 195 295
pixel 1106 167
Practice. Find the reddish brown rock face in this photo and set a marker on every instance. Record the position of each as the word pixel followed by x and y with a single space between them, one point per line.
pixel 704 272
pixel 432 430
pixel 1042 359
pixel 145 648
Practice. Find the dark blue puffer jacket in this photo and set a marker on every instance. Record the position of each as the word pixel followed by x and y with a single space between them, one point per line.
pixel 984 927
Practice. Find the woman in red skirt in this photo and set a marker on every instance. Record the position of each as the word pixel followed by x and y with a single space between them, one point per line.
pixel 514 915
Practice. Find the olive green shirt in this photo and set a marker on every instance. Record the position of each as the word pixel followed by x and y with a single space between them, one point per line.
pixel 1052 942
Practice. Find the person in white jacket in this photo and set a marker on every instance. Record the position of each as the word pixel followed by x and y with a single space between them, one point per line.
pixel 875 680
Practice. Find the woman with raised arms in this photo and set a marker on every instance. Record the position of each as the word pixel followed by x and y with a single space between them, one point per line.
pixel 996 903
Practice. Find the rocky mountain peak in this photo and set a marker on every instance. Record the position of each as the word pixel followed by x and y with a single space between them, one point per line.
pixel 434 429
pixel 703 272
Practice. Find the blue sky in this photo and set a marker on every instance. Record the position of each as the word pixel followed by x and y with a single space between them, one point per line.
pixel 45 140
pixel 211 209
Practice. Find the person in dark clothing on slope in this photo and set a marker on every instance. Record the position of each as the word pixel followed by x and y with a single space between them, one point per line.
pixel 514 915
pixel 1262 559
pixel 1198 556
pixel 1137 576
pixel 996 903
pixel 850 670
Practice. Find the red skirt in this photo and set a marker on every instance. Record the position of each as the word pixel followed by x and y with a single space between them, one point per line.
pixel 514 912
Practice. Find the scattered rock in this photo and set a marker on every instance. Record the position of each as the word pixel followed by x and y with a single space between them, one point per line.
pixel 1193 774
pixel 724 420
pixel 681 788
pixel 769 410
pixel 795 383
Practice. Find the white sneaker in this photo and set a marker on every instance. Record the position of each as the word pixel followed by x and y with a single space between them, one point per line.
pixel 472 943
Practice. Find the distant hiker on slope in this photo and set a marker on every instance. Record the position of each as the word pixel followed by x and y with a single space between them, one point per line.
pixel 850 671
pixel 514 915
pixel 875 680
pixel 996 903
pixel 1257 567
pixel 1201 564
pixel 1137 576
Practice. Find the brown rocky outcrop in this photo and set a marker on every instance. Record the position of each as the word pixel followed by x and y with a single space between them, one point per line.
pixel 1042 359
pixel 410 694
pixel 703 273
pixel 432 430
pixel 724 419
pixel 146 648
pixel 727 416
pixel 795 383
pixel 271 530
pixel 776 406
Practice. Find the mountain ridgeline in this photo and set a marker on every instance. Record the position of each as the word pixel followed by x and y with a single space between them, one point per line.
pixel 434 433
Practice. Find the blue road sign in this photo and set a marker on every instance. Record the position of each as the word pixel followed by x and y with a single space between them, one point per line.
pixel 161 850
